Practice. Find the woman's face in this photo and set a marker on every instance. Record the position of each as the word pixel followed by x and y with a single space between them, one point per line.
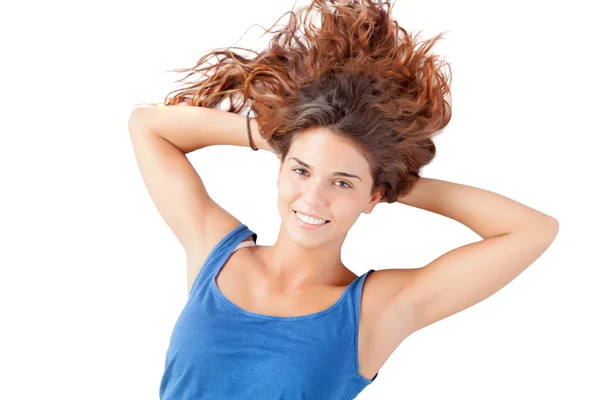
pixel 324 175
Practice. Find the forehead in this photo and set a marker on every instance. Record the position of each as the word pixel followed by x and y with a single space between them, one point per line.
pixel 321 147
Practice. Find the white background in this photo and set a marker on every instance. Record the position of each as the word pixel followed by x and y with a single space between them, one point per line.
pixel 92 279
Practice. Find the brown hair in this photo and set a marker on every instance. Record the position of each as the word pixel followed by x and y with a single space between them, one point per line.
pixel 354 75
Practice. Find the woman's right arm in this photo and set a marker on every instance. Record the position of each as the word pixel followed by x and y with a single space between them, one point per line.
pixel 161 137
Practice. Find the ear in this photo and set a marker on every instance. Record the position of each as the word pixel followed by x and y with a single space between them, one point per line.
pixel 373 201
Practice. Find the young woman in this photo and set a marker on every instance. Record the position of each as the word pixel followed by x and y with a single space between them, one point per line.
pixel 350 109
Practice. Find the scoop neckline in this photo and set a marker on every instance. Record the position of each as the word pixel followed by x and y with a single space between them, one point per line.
pixel 277 317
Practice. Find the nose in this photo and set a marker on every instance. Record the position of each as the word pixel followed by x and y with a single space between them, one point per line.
pixel 315 195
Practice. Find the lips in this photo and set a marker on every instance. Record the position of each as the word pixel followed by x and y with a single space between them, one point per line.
pixel 310 215
pixel 308 226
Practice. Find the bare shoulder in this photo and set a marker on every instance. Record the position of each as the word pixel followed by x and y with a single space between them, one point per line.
pixel 218 222
pixel 381 288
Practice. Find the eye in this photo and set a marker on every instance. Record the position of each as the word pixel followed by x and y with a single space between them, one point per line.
pixel 346 185
pixel 299 169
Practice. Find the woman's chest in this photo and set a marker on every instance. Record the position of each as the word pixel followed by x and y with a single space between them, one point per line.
pixel 241 285
pixel 221 346
pixel 247 291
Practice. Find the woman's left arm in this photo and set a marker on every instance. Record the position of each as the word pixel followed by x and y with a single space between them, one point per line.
pixel 514 236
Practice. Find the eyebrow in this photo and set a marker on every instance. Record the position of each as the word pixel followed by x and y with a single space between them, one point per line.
pixel 335 173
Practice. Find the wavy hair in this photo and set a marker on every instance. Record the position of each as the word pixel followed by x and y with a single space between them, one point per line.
pixel 359 74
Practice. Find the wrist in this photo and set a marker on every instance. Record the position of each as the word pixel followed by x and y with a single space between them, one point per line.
pixel 256 137
pixel 419 194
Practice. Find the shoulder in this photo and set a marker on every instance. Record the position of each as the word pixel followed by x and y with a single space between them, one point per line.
pixel 378 304
pixel 381 286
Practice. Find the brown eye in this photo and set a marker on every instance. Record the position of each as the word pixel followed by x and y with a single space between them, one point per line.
pixel 299 169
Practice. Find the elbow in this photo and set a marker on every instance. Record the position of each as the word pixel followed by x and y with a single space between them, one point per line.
pixel 548 223
pixel 544 223
pixel 554 225
pixel 548 229
pixel 552 230
pixel 136 119
pixel 541 227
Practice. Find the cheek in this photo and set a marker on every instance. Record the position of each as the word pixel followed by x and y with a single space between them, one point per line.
pixel 288 189
pixel 349 207
pixel 287 194
pixel 347 210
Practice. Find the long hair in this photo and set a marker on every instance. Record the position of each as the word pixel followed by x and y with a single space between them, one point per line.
pixel 359 74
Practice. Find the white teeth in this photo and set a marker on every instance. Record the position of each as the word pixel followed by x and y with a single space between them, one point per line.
pixel 310 220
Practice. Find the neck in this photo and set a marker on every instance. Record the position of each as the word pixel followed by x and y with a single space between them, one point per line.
pixel 296 268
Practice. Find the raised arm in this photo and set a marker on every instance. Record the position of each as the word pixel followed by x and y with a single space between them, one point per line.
pixel 514 236
pixel 161 137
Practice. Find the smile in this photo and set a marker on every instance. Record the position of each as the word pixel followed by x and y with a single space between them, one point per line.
pixel 308 223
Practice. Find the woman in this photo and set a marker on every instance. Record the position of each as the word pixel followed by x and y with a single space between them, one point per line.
pixel 350 109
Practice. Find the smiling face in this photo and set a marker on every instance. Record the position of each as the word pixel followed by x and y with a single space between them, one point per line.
pixel 324 175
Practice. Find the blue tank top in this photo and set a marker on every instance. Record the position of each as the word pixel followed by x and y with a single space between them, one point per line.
pixel 218 350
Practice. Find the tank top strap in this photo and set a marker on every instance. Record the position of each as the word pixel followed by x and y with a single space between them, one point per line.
pixel 221 252
pixel 355 292
pixel 354 300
